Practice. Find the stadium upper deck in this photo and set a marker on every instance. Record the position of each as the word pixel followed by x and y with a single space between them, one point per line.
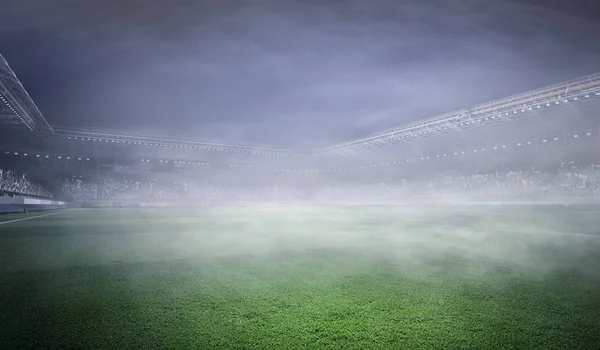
pixel 16 107
pixel 577 90
pixel 584 91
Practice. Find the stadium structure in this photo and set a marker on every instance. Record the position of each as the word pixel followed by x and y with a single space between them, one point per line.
pixel 474 229
pixel 544 127
pixel 16 106
pixel 560 119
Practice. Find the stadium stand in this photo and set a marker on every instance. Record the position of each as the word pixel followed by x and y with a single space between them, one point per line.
pixel 19 185
pixel 562 184
pixel 503 150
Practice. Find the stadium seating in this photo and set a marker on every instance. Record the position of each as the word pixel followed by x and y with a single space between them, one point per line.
pixel 15 184
pixel 565 183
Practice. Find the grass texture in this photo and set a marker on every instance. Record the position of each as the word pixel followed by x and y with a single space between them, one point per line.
pixel 301 278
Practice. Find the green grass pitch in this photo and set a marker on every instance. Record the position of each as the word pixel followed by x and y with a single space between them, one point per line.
pixel 301 278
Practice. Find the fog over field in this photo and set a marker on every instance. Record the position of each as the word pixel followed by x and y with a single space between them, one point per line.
pixel 523 237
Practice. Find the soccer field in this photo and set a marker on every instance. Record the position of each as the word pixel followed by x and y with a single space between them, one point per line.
pixel 301 278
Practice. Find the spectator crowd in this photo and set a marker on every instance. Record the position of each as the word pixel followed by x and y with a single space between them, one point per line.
pixel 513 185
pixel 566 183
pixel 15 184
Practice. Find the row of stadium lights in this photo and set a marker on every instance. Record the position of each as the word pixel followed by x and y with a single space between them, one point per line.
pixel 291 170
pixel 414 160
pixel 48 157
pixel 194 163
pixel 427 132
pixel 480 120
pixel 176 162
pixel 14 111
pixel 143 160
pixel 204 148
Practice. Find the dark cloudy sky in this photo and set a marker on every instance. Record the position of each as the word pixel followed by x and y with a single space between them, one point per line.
pixel 286 73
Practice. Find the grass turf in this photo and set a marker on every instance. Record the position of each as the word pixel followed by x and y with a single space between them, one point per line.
pixel 354 278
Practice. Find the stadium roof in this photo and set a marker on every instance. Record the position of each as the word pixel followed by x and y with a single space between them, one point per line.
pixel 118 137
pixel 16 106
pixel 577 90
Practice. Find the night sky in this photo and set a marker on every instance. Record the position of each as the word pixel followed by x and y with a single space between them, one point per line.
pixel 281 73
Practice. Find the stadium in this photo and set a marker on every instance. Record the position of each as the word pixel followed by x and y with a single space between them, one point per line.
pixel 474 229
